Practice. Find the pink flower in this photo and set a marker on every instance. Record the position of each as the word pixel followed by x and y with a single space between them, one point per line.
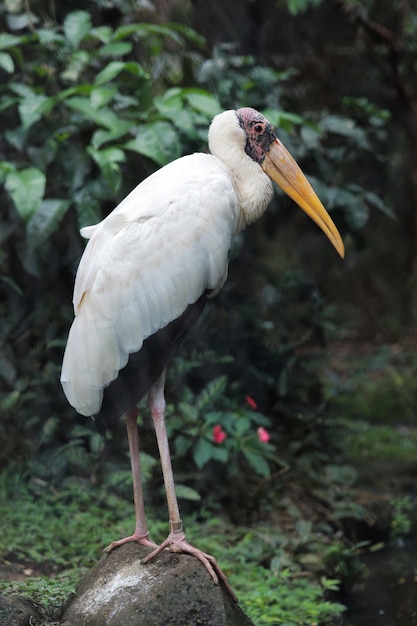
pixel 218 434
pixel 251 403
pixel 263 435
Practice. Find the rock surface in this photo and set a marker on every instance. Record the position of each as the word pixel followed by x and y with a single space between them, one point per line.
pixel 173 589
pixel 19 611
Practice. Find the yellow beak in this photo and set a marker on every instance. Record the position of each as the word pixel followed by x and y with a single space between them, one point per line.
pixel 283 169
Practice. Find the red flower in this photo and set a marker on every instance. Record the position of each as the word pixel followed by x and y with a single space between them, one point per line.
pixel 263 435
pixel 251 403
pixel 218 434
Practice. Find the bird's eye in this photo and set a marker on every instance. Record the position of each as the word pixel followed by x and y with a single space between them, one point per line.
pixel 258 128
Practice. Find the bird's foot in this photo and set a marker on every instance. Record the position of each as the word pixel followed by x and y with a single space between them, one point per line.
pixel 140 538
pixel 175 542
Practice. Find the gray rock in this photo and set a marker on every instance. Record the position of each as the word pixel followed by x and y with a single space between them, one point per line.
pixel 19 611
pixel 173 589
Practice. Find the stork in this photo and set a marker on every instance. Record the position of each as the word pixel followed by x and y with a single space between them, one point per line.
pixel 147 272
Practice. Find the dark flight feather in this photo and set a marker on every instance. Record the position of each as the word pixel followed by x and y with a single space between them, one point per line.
pixel 145 367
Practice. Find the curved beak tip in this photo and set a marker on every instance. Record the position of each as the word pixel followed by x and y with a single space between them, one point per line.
pixel 338 244
pixel 281 167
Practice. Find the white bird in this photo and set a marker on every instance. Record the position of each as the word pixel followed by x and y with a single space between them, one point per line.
pixel 147 272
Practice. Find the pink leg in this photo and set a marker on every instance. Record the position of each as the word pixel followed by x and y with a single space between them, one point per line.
pixel 175 541
pixel 141 533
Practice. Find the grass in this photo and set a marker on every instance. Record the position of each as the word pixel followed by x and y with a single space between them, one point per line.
pixel 382 442
pixel 375 398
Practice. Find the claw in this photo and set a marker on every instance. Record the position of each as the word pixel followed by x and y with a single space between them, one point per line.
pixel 142 540
pixel 175 542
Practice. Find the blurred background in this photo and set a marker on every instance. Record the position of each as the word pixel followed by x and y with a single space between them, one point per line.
pixel 317 352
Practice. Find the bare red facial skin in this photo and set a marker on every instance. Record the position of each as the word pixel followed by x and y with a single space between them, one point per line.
pixel 259 132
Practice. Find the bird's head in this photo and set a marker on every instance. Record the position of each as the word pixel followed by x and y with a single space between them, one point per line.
pixel 256 136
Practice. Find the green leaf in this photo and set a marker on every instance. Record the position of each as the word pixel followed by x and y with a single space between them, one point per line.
pixel 345 127
pixel 102 117
pixel 84 106
pixel 310 138
pixel 298 6
pixel 78 61
pixel 203 102
pixel 103 33
pixel 243 425
pixel 115 49
pixel 202 452
pixel 257 462
pixel 32 108
pixel 21 21
pixel 187 33
pixel 9 281
pixel 5 168
pixel 220 453
pixel 101 96
pixel 46 220
pixel 170 102
pixel 21 90
pixel 377 203
pixel 8 41
pixel 6 62
pixel 27 188
pixel 214 390
pixel 127 30
pixel 147 31
pixel 158 141
pixel 352 199
pixel 87 207
pixel 287 121
pixel 114 68
pixel 77 25
pixel 108 155
pixel 187 493
pixel 108 160
pixel 101 136
pixel 182 445
pixel 47 36
pixel 7 102
pixel 171 107
pixel 111 70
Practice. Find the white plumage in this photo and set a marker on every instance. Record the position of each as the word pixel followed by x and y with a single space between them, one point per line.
pixel 156 253
pixel 148 267
pixel 163 246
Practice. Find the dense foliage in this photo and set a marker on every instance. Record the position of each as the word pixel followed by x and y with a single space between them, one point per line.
pixel 94 96
pixel 90 110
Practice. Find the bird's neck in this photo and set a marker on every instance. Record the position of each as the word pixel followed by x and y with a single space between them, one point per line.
pixel 253 187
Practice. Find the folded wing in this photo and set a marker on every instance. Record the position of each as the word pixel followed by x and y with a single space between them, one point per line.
pixel 153 257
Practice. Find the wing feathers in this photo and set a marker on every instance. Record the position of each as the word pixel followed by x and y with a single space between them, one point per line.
pixel 128 388
pixel 163 247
